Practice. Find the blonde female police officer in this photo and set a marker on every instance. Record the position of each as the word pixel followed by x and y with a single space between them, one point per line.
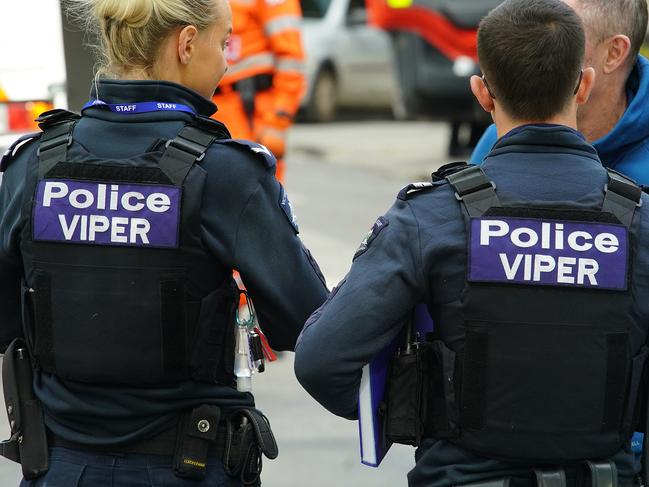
pixel 118 233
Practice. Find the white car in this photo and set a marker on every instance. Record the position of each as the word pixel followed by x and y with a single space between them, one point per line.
pixel 350 64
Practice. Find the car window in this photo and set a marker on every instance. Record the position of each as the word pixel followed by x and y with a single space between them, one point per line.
pixel 314 9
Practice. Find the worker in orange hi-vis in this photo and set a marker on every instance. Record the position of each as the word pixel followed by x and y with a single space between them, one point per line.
pixel 261 91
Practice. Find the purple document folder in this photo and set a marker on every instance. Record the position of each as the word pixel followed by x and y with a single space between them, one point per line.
pixel 373 443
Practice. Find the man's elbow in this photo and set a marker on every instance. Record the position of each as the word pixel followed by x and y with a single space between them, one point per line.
pixel 316 377
pixel 307 370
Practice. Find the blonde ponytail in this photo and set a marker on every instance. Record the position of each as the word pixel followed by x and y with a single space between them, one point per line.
pixel 131 32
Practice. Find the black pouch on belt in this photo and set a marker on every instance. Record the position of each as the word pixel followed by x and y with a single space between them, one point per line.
pixel 196 431
pixel 248 435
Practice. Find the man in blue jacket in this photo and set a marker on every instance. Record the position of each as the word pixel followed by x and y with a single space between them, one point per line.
pixel 538 348
pixel 616 118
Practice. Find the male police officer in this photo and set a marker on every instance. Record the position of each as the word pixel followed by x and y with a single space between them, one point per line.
pixel 533 269
pixel 616 118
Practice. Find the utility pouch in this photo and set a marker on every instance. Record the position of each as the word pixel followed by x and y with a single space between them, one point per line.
pixel 196 431
pixel 408 393
pixel 248 435
pixel 443 414
pixel 28 442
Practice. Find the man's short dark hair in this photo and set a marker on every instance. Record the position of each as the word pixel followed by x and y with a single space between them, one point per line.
pixel 606 18
pixel 531 53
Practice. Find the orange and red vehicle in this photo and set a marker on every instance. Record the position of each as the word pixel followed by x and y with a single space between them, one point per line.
pixel 436 54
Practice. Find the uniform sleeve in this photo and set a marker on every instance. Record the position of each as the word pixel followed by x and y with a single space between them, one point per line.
pixel 247 223
pixel 485 144
pixel 283 279
pixel 363 314
pixel 11 191
pixel 282 20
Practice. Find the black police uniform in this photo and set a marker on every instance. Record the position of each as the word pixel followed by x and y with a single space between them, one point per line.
pixel 539 337
pixel 120 239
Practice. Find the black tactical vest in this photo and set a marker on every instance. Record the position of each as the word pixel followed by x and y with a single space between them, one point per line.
pixel 123 290
pixel 546 374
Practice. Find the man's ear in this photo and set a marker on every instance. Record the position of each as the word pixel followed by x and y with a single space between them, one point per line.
pixel 618 49
pixel 186 40
pixel 482 94
pixel 586 86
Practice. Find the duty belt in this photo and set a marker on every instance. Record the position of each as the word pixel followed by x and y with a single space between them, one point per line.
pixel 161 444
pixel 239 441
pixel 590 474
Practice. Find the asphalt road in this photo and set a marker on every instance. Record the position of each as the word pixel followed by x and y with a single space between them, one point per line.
pixel 340 178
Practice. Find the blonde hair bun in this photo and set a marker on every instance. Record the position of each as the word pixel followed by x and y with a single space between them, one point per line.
pixel 134 13
pixel 130 32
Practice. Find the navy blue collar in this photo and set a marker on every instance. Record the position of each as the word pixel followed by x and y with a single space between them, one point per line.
pixel 134 91
pixel 522 128
pixel 544 138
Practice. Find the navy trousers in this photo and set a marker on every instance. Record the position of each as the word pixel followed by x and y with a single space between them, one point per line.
pixel 75 468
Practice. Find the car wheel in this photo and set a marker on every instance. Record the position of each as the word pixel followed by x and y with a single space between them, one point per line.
pixel 323 105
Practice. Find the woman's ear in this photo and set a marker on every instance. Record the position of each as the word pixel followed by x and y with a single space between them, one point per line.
pixel 186 40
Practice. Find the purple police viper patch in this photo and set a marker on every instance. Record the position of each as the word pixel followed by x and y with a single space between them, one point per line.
pixel 104 213
pixel 548 252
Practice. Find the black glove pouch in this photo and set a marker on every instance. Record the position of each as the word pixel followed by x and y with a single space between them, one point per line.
pixel 196 431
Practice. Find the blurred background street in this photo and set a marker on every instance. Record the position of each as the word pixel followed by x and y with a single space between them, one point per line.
pixel 341 177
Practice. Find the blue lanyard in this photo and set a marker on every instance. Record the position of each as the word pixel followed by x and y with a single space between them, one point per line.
pixel 140 107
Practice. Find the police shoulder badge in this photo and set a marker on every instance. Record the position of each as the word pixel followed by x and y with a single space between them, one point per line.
pixel 287 208
pixel 377 228
pixel 259 150
pixel 14 148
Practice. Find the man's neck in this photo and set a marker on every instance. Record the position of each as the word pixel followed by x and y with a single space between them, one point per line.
pixel 505 124
pixel 598 118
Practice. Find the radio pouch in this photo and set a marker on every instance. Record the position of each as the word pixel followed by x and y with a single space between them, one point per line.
pixel 407 396
pixel 248 435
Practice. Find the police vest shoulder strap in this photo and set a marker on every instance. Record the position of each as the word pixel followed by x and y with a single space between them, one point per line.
pixel 474 189
pixel 216 128
pixel 447 169
pixel 622 197
pixel 188 147
pixel 57 127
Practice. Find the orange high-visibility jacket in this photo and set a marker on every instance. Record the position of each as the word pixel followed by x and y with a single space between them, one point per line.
pixel 266 39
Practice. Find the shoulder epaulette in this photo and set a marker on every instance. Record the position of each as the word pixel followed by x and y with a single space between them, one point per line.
pixel 56 116
pixel 413 188
pixel 212 126
pixel 8 155
pixel 448 169
pixel 261 151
